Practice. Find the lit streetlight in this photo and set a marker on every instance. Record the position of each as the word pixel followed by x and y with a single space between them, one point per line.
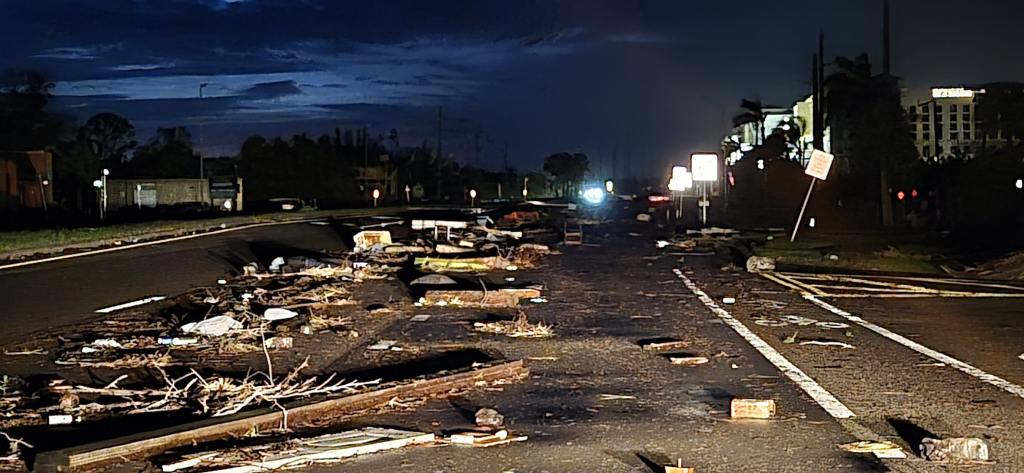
pixel 376 195
pixel 472 197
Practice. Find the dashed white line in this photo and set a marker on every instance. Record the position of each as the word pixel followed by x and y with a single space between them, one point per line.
pixel 936 355
pixel 115 308
pixel 825 399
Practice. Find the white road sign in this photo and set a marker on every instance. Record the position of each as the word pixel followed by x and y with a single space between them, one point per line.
pixel 820 164
pixel 704 166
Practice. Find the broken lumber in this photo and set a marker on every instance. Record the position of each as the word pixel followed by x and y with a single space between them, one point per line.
pixel 147 444
pixel 296 453
pixel 482 264
pixel 505 297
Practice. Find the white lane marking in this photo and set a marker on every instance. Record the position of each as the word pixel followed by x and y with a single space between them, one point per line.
pixel 157 242
pixel 114 308
pixel 938 356
pixel 825 399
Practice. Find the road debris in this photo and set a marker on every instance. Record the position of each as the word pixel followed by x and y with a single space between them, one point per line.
pixel 295 453
pixel 679 468
pixel 212 327
pixel 688 360
pixel 488 418
pixel 519 327
pixel 752 408
pixel 502 297
pixel 615 397
pixel 368 239
pixel 828 343
pixel 760 264
pixel 959 449
pixel 293 414
pixel 660 344
pixel 878 449
pixel 484 439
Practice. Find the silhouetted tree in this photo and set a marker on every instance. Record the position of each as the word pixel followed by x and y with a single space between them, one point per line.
pixel 753 112
pixel 869 121
pixel 24 122
pixel 568 169
pixel 109 136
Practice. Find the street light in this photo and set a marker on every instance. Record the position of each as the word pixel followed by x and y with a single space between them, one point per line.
pixel 1019 184
pixel 101 183
pixel 472 197
pixel 609 186
pixel 376 195
pixel 408 197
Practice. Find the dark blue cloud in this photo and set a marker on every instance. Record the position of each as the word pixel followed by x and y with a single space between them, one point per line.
pixel 272 90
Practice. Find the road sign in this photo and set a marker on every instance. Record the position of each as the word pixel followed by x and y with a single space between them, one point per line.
pixel 819 165
pixel 681 179
pixel 704 166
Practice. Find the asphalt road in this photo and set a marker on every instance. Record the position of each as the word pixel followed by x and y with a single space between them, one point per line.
pixel 41 296
pixel 906 358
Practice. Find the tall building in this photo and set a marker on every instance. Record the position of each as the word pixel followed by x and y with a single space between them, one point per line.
pixel 944 123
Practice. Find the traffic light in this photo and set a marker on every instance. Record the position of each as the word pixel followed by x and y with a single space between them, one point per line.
pixel 901 195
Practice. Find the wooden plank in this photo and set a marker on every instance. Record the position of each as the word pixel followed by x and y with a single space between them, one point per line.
pixel 320 450
pixel 151 443
pixel 505 297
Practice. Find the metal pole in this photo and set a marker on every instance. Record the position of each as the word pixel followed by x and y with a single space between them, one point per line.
pixel 800 217
pixel 103 197
pixel 704 203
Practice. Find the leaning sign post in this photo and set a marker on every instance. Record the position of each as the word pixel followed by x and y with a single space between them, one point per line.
pixel 817 168
pixel 704 167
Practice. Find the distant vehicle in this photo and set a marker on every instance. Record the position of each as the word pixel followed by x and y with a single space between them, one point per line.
pixel 658 199
pixel 288 204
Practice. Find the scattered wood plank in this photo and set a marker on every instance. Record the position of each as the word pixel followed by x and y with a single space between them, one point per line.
pixel 146 444
pixel 752 408
pixel 301 452
pixel 505 297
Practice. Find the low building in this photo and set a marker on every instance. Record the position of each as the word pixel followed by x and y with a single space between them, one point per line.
pixel 151 193
pixel 26 180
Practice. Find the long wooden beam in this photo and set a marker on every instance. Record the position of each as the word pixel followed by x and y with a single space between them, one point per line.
pixel 147 444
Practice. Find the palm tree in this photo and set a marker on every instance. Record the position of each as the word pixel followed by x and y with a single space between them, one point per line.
pixel 753 112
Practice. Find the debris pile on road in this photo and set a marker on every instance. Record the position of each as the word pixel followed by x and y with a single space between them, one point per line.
pixel 1007 267
pixel 519 327
pixel 960 449
pixel 298 452
pixel 186 356
pixel 760 264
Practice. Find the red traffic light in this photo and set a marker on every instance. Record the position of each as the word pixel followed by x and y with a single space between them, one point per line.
pixel 913 193
pixel 901 195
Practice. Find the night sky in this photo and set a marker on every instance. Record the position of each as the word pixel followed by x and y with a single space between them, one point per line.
pixel 658 80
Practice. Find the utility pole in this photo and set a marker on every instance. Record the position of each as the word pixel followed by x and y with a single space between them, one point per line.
pixel 816 119
pixel 440 122
pixel 886 45
pixel 202 85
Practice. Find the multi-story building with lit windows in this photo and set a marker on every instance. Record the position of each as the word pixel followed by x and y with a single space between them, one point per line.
pixel 944 123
